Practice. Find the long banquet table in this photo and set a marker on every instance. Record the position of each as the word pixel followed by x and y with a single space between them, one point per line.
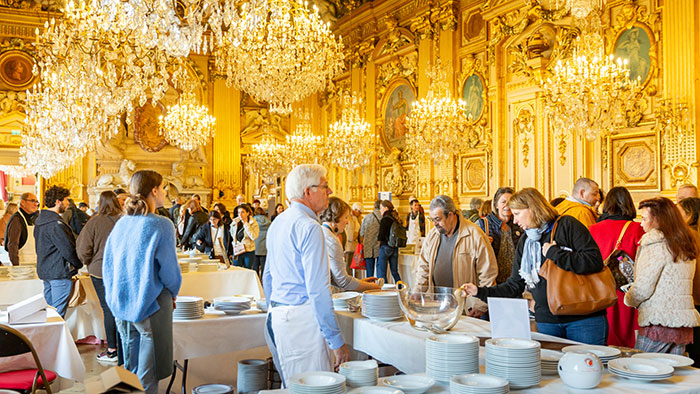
pixel 397 344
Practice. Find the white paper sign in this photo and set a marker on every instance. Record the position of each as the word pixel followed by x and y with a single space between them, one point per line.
pixel 509 318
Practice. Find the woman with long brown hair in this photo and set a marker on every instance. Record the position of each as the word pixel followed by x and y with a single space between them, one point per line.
pixel 663 273
pixel 90 247
pixel 142 279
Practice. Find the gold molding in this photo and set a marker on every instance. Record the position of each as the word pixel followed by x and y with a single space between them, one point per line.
pixel 403 67
pixel 473 66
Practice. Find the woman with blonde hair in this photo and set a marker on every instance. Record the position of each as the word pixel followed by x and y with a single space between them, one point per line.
pixel 664 269
pixel 573 250
pixel 334 219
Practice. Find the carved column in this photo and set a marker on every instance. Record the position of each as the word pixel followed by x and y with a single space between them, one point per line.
pixel 227 141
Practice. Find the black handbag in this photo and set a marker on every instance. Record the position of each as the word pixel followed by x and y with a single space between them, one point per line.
pixel 620 263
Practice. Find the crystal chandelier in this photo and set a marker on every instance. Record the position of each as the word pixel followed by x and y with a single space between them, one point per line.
pixel 278 52
pixel 267 157
pixel 677 140
pixel 437 122
pixel 187 125
pixel 350 141
pixel 579 8
pixel 302 145
pixel 590 92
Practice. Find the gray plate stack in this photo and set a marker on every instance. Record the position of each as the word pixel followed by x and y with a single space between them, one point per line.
pixel 252 375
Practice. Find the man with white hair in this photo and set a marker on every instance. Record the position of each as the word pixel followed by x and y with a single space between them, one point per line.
pixel 686 191
pixel 352 233
pixel 580 204
pixel 296 279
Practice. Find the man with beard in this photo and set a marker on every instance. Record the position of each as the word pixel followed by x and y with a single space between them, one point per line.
pixel 57 261
pixel 455 252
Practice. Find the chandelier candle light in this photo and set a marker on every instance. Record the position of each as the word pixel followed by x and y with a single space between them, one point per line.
pixel 302 145
pixel 437 123
pixel 350 141
pixel 187 125
pixel 267 157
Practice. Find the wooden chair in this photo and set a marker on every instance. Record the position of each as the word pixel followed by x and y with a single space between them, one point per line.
pixel 14 343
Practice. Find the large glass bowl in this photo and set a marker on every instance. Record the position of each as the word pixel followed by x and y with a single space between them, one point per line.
pixel 431 307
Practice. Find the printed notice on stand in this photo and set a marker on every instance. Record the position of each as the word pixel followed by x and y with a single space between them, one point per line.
pixel 509 318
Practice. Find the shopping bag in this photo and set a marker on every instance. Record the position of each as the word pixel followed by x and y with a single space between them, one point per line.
pixel 358 258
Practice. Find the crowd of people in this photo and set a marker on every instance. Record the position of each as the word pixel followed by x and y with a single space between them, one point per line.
pixel 129 248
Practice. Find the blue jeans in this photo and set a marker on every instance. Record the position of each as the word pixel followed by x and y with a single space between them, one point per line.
pixel 369 264
pixel 245 260
pixel 139 344
pixel 57 294
pixel 109 323
pixel 390 255
pixel 591 331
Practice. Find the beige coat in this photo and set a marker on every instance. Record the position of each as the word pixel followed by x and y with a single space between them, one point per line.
pixel 663 289
pixel 473 260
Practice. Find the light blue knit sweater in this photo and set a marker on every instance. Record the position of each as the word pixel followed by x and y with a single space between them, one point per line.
pixel 139 261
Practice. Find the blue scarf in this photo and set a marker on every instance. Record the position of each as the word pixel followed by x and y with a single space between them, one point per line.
pixel 531 260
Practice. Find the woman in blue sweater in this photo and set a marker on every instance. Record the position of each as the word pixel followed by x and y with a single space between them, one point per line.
pixel 142 278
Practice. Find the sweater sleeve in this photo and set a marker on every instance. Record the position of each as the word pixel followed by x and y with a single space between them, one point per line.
pixel 513 287
pixel 169 270
pixel 251 229
pixel 64 240
pixel 85 243
pixel 339 275
pixel 576 250
pixel 384 229
pixel 647 271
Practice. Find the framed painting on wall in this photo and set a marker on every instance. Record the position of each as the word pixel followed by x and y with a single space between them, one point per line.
pixel 397 107
pixel 473 96
pixel 634 45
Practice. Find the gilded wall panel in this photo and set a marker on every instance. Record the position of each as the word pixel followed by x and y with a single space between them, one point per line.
pixel 635 162
pixel 473 174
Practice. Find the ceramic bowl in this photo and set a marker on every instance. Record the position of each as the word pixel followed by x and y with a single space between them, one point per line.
pixel 581 370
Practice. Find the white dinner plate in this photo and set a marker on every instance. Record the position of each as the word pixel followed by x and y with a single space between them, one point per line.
pixel 375 390
pixel 603 352
pixel 513 343
pixel 640 367
pixel 673 360
pixel 409 384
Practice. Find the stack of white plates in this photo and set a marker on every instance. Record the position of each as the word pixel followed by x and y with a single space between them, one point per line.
pixel 450 355
pixel 184 267
pixel 516 360
pixel 207 267
pixel 360 373
pixel 341 300
pixel 181 256
pixel 252 375
pixel 674 360
pixel 409 384
pixel 4 272
pixel 232 305
pixel 20 272
pixel 604 353
pixel 188 308
pixel 477 384
pixel 382 305
pixel 640 369
pixel 317 383
pixel 549 359
pixel 369 390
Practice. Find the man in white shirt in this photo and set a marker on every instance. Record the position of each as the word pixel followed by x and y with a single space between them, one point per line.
pixel 296 280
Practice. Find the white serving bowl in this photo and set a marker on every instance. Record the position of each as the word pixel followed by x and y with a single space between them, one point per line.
pixel 580 370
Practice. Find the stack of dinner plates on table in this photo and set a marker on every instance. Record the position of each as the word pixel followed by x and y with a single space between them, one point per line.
pixel 341 301
pixel 4 272
pixel 232 305
pixel 409 384
pixel 317 383
pixel 449 355
pixel 360 373
pixel 549 359
pixel 208 267
pixel 188 308
pixel 21 272
pixel 184 267
pixel 513 359
pixel 640 369
pixel 382 305
pixel 604 353
pixel 674 360
pixel 252 375
pixel 478 384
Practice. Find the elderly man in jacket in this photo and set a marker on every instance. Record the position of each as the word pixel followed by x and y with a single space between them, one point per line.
pixel 455 252
pixel 580 204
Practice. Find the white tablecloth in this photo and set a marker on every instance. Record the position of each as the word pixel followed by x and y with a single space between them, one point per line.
pixel 397 344
pixel 54 345
pixel 14 291
pixel 235 280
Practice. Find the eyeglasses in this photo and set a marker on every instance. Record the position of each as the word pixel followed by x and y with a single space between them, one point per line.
pixel 326 186
pixel 32 201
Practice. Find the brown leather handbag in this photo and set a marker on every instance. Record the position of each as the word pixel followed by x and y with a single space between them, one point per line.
pixel 569 293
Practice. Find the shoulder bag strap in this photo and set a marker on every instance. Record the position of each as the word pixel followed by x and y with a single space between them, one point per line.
pixel 486 226
pixel 619 239
pixel 554 229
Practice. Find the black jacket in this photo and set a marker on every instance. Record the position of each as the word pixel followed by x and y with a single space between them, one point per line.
pixel 78 219
pixel 175 212
pixel 584 258
pixel 421 222
pixel 207 246
pixel 495 231
pixel 55 247
pixel 162 211
pixel 385 228
pixel 193 223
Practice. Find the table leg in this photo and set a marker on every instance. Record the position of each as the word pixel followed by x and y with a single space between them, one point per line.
pixel 176 366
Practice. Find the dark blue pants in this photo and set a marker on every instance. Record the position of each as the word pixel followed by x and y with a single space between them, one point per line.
pixel 390 255
pixel 246 260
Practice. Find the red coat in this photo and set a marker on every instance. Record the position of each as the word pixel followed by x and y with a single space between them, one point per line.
pixel 621 318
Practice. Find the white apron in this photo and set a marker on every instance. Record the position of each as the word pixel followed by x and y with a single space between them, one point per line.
pixel 27 254
pixel 300 344
pixel 413 232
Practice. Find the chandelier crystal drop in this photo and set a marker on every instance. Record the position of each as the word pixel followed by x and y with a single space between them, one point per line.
pixel 437 123
pixel 267 158
pixel 350 141
pixel 590 92
pixel 302 145
pixel 279 52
